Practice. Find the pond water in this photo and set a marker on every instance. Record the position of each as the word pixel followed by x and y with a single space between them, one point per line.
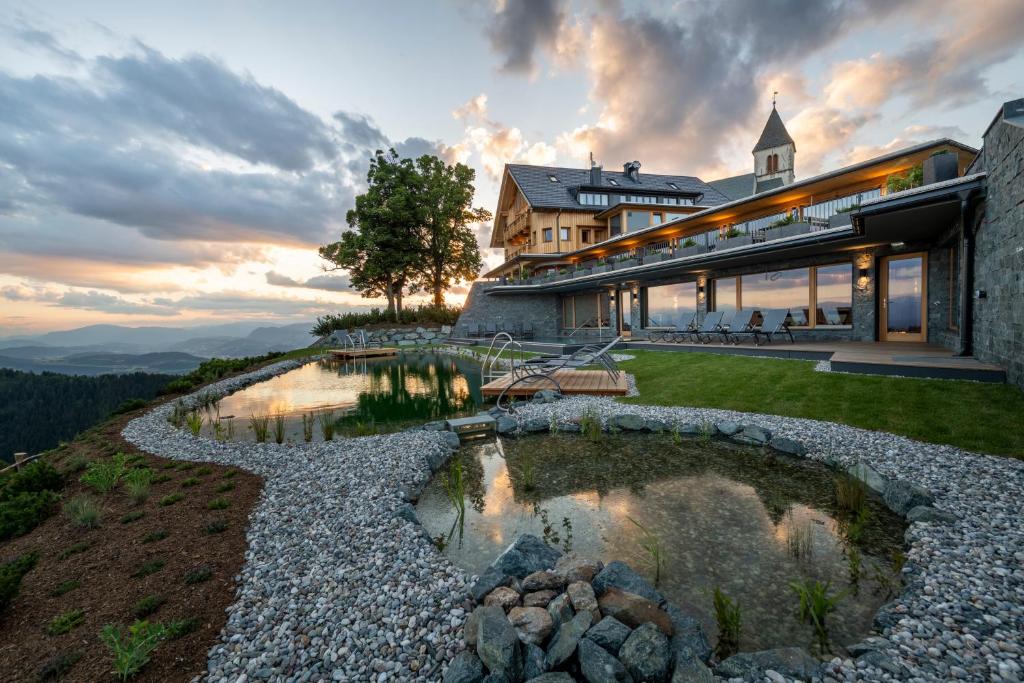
pixel 360 396
pixel 724 516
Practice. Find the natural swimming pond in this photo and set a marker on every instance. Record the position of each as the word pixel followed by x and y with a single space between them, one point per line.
pixel 355 396
pixel 722 516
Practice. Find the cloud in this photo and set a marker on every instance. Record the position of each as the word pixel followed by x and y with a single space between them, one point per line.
pixel 37 39
pixel 474 109
pixel 911 135
pixel 496 143
pixel 108 303
pixel 331 283
pixel 520 29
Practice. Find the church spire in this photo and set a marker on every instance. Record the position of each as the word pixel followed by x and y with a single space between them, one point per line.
pixel 774 133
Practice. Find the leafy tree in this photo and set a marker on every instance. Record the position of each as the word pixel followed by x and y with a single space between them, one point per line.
pixel 381 251
pixel 448 246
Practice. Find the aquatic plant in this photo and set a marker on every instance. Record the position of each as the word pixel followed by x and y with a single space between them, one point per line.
pixel 567 542
pixel 854 568
pixel 889 579
pixel 194 420
pixel 652 545
pixel 707 431
pixel 800 538
pixel 855 527
pixel 677 436
pixel 364 428
pixel 178 413
pixel 218 430
pixel 260 426
pixel 229 433
pixel 279 429
pixel 851 494
pixel 529 473
pixel 553 424
pixel 326 419
pixel 548 531
pixel 308 419
pixel 455 486
pixel 590 424
pixel 815 605
pixel 729 619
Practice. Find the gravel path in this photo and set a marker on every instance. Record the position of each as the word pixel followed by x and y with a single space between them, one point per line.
pixel 334 587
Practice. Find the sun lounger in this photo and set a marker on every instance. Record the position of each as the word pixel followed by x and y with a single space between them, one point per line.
pixel 773 322
pixel 711 325
pixel 742 322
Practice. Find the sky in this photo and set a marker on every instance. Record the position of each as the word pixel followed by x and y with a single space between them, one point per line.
pixel 179 163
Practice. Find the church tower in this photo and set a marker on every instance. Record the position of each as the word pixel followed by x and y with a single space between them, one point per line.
pixel 774 153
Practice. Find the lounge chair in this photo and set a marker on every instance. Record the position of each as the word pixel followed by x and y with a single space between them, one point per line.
pixel 773 322
pixel 527 330
pixel 832 316
pixel 711 325
pixel 742 322
pixel 686 327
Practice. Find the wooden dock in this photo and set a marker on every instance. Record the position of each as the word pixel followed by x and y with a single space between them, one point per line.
pixel 350 354
pixel 573 382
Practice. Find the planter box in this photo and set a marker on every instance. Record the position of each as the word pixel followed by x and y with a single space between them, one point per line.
pixel 786 231
pixel 601 269
pixel 581 273
pixel 839 220
pixel 733 242
pixel 656 258
pixel 691 251
pixel 628 263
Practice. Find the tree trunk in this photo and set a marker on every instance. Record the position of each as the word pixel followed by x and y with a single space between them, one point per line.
pixel 438 276
pixel 389 292
pixel 398 299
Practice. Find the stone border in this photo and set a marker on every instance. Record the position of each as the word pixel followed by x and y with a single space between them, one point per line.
pixel 959 615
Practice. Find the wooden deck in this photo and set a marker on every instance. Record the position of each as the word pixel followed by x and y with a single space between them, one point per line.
pixel 578 382
pixel 349 354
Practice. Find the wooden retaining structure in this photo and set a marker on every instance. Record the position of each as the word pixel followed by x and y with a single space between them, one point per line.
pixel 349 354
pixel 573 382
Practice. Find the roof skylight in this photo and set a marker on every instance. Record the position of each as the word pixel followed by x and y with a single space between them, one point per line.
pixel 553 179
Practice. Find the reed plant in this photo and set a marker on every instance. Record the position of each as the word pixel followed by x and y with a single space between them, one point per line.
pixel 308 420
pixel 854 569
pixel 260 426
pixel 279 429
pixel 178 413
pixel 729 618
pixel 195 421
pixel 327 425
pixel 707 432
pixel 851 494
pixel 816 603
pixel 455 486
pixel 137 483
pixel 800 539
pixel 529 473
pixel 590 425
pixel 651 544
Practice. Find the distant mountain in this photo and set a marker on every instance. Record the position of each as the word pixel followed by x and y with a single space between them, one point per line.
pixel 92 364
pixel 152 338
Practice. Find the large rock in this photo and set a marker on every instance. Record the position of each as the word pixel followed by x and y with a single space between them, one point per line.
pixel 788 446
pixel 532 624
pixel 867 474
pixel 561 610
pixel 487 582
pixel 788 661
pixel 688 637
pixel 633 610
pixel 451 439
pixel 576 568
pixel 536 424
pixel 728 427
pixel 597 666
pixel 506 425
pixel 526 555
pixel 582 597
pixel 503 597
pixel 628 422
pixel 538 598
pixel 533 661
pixel 565 640
pixel 753 435
pixel 619 575
pixel 656 426
pixel 543 580
pixel 465 667
pixel 609 633
pixel 646 654
pixel 497 644
pixel 553 677
pixel 924 513
pixel 692 671
pixel 902 496
pixel 469 629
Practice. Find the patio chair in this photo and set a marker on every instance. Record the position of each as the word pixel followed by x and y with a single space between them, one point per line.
pixel 773 322
pixel 527 330
pixel 685 330
pixel 742 322
pixel 711 325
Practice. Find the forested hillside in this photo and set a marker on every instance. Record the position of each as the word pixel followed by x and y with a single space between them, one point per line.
pixel 39 410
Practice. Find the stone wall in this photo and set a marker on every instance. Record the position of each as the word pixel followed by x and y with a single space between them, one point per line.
pixel 411 335
pixel 999 255
pixel 940 313
pixel 542 311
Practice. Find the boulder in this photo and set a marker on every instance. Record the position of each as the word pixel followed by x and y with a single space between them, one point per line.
pixel 469 629
pixel 728 427
pixel 436 459
pixel 788 446
pixel 619 575
pixel 533 661
pixel 497 678
pixel 692 671
pixel 538 598
pixel 446 330
pixel 532 624
pixel 487 582
pixel 497 644
pixel 566 638
pixel 436 426
pixel 406 512
pixel 633 610
pixel 451 439
pixel 628 422
pixel 576 568
pixel 581 595
pixel 545 579
pixel 406 342
pixel 902 496
pixel 867 474
pixel 465 667
pixel 536 424
pixel 561 610
pixel 646 654
pixel 553 677
pixel 793 662
pixel 506 425
pixel 656 426
pixel 503 597
pixel 924 513
pixel 609 633
pixel 409 493
pixel 546 396
pixel 569 427
pixel 526 555
pixel 688 637
pixel 753 435
pixel 597 666
pixel 688 429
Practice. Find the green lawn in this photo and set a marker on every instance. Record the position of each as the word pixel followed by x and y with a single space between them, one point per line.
pixel 972 415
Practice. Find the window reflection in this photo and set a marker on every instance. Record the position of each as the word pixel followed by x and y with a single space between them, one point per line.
pixel 725 294
pixel 666 305
pixel 831 299
pixel 835 295
pixel 779 289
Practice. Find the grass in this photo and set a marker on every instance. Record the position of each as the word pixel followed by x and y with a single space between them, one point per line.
pixel 191 481
pixel 132 516
pixel 137 484
pixel 218 504
pixel 64 587
pixel 84 511
pixel 148 605
pixel 225 487
pixel 171 499
pixel 56 668
pixel 148 568
pixel 851 494
pixel 65 623
pixel 952 412
pixel 816 603
pixel 198 575
pixel 651 544
pixel 217 526
pixel 730 620
pixel 155 536
pixel 260 426
pixel 74 549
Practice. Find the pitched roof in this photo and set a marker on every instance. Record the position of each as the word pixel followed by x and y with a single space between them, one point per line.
pixel 543 192
pixel 774 133
pixel 735 187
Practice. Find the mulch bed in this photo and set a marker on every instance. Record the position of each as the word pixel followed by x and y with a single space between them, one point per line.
pixel 111 554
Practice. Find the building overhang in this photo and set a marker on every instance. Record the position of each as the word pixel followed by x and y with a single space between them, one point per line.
pixel 917 215
pixel 523 259
pixel 663 208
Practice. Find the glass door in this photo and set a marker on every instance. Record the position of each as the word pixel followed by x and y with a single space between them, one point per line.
pixel 903 298
pixel 624 304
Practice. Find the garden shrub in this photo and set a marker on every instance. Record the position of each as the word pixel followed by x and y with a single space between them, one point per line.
pixel 214 369
pixel 65 623
pixel 11 574
pixel 132 648
pixel 57 667
pixel 21 513
pixel 37 476
pixel 84 511
pixel 427 313
pixel 104 475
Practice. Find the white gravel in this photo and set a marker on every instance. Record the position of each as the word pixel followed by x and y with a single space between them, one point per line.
pixel 335 588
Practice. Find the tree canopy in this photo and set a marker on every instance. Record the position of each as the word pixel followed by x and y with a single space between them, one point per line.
pixel 410 230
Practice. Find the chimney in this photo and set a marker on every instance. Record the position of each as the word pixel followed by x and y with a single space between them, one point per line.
pixel 595 172
pixel 631 170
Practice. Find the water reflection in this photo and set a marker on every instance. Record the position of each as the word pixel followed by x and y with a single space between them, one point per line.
pixel 376 395
pixel 724 516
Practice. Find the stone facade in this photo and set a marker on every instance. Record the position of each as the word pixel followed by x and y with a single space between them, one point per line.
pixel 412 335
pixel 999 255
pixel 542 311
pixel 944 276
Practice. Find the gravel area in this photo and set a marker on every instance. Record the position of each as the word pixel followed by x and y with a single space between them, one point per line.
pixel 335 587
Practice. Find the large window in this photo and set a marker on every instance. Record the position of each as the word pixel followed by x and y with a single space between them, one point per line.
pixel 563 234
pixel 825 290
pixel 584 310
pixel 615 224
pixel 593 199
pixel 548 235
pixel 666 305
pixel 637 220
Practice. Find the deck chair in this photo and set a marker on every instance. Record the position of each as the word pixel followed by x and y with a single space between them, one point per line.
pixel 832 316
pixel 712 323
pixel 687 325
pixel 742 323
pixel 773 322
